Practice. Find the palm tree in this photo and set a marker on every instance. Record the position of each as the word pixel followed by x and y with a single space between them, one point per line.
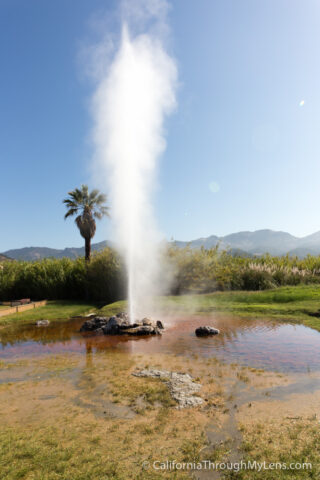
pixel 90 205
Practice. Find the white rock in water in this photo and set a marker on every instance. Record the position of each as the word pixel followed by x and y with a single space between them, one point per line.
pixel 43 323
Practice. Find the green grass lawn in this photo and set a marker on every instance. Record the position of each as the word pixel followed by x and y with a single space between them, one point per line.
pixel 287 303
pixel 54 310
pixel 293 303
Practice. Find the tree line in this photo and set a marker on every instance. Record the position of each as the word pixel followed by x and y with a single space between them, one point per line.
pixel 192 271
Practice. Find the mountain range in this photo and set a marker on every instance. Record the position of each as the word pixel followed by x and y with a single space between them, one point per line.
pixel 242 243
pixel 37 253
pixel 262 241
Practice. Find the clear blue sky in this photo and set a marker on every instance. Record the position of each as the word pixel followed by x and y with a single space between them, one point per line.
pixel 244 68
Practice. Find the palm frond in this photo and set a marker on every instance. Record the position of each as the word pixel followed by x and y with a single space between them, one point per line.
pixel 71 212
pixel 101 198
pixel 93 194
pixel 98 215
pixel 76 195
pixel 85 194
pixel 70 203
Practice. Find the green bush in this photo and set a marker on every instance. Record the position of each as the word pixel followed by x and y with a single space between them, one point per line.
pixel 59 279
pixel 257 280
pixel 193 271
pixel 201 271
pixel 106 278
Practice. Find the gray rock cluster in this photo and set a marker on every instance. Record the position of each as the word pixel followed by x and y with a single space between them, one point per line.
pixel 120 325
pixel 181 386
pixel 206 331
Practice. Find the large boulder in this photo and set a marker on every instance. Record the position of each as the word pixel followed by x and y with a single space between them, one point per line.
pixel 206 331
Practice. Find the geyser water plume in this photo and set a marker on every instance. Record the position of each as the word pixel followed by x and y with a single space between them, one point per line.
pixel 129 107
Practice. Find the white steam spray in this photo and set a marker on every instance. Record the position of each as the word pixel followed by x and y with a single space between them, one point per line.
pixel 129 107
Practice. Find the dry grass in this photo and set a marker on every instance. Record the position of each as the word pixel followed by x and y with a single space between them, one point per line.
pixel 89 419
pixel 286 441
pixel 48 434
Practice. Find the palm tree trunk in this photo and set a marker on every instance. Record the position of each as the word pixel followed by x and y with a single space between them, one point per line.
pixel 87 249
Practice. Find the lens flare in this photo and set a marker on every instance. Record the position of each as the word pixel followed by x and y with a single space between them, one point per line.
pixel 214 187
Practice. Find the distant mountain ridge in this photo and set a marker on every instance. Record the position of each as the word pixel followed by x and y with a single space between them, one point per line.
pixel 37 253
pixel 260 242
pixel 4 258
pixel 246 243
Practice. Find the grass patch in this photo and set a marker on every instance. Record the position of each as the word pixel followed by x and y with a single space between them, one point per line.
pixel 114 308
pixel 284 443
pixel 287 303
pixel 54 310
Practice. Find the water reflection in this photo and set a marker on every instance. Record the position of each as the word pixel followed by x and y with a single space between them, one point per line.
pixel 256 342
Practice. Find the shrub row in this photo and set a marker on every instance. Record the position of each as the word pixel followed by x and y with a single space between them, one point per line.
pixel 101 280
pixel 209 270
pixel 196 271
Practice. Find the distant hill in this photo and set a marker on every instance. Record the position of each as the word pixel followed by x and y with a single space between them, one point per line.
pixel 4 258
pixel 208 242
pixel 239 244
pixel 37 253
pixel 262 241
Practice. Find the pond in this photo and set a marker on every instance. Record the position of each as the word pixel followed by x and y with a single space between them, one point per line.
pixel 260 343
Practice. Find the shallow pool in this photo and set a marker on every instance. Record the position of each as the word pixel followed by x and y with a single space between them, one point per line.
pixel 261 343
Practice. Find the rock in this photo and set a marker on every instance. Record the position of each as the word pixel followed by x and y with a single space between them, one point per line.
pixel 206 331
pixel 146 321
pixel 118 322
pixel 160 324
pixel 123 315
pixel 87 326
pixel 154 373
pixel 143 330
pixel 43 323
pixel 100 320
pixel 114 321
pixel 93 324
pixel 181 386
pixel 120 325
